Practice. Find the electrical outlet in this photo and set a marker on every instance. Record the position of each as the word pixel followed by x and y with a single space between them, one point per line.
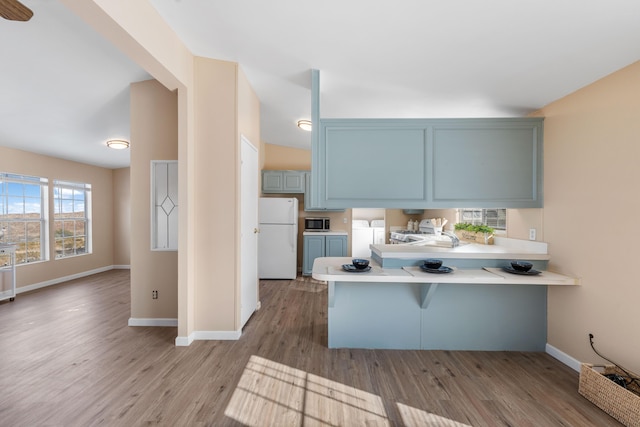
pixel 344 220
pixel 532 234
pixel 154 294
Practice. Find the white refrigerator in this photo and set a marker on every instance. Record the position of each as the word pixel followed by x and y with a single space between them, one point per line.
pixel 278 238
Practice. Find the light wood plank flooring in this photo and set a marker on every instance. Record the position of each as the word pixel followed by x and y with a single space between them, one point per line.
pixel 68 358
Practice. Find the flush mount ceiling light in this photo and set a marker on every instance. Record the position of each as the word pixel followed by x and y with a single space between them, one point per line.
pixel 118 144
pixel 305 125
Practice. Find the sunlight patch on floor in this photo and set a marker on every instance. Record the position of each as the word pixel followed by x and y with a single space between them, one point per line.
pixel 412 417
pixel 270 393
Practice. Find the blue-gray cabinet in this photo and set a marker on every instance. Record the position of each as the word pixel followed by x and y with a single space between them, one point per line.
pixel 283 181
pixel 308 202
pixel 321 245
pixel 427 163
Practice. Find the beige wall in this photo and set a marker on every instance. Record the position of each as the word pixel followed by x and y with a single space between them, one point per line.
pixel 215 192
pixel 154 136
pixel 121 217
pixel 591 171
pixel 101 180
pixel 226 108
pixel 277 157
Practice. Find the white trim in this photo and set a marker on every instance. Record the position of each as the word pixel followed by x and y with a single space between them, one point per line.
pixel 153 321
pixel 208 336
pixel 184 341
pixel 51 282
pixel 563 357
pixel 122 267
pixel 217 335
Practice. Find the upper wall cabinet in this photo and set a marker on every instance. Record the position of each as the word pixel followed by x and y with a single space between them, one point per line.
pixel 283 182
pixel 308 203
pixel 428 163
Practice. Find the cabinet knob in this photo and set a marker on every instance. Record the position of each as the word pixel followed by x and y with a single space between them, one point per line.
pixel 255 231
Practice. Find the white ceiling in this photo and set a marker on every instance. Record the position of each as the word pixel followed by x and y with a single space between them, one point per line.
pixel 407 58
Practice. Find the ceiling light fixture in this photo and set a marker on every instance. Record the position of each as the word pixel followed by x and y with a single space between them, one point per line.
pixel 305 125
pixel 118 144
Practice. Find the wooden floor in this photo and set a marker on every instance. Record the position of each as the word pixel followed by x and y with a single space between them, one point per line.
pixel 68 358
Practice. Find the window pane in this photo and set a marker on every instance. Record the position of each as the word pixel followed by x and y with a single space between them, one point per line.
pixel 495 218
pixel 15 189
pixel 71 214
pixel 80 228
pixel 33 231
pixel 68 246
pixel 32 191
pixel 32 206
pixel 68 229
pixel 16 205
pixel 22 204
pixel 67 206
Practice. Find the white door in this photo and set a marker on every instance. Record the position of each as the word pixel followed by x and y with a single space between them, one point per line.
pixel 248 231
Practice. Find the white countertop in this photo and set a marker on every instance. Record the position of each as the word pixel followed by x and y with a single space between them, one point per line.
pixel 504 248
pixel 325 233
pixel 330 269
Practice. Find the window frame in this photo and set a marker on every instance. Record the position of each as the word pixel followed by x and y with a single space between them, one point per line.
pixel 60 187
pixel 484 214
pixel 22 253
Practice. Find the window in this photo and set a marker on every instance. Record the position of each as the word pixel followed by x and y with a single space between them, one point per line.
pixel 164 209
pixel 71 216
pixel 494 218
pixel 23 215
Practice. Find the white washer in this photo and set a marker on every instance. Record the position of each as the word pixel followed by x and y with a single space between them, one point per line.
pixel 378 231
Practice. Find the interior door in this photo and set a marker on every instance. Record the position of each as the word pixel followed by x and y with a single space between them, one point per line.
pixel 248 231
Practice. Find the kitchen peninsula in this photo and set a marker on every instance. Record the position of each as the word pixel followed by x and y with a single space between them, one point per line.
pixel 478 306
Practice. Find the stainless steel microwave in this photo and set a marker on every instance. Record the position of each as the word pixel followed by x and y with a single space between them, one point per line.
pixel 317 224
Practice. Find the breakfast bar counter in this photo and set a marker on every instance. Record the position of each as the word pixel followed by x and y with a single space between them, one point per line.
pixel 480 308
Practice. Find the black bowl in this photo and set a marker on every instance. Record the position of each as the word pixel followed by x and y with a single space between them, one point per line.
pixel 359 263
pixel 433 264
pixel 521 265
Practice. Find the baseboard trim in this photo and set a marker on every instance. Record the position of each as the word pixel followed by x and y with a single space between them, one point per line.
pixel 121 267
pixel 208 336
pixel 163 322
pixel 563 357
pixel 184 341
pixel 217 335
pixel 58 280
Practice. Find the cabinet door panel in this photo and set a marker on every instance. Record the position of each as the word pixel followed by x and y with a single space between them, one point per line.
pixel 336 246
pixel 477 164
pixel 293 182
pixel 359 157
pixel 272 181
pixel 314 247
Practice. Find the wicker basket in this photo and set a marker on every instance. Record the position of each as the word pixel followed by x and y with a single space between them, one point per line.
pixel 615 400
pixel 475 237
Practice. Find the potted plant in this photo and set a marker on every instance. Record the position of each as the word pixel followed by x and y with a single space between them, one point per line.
pixel 474 233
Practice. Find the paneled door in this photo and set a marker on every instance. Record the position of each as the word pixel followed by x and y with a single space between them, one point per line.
pixel 248 230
